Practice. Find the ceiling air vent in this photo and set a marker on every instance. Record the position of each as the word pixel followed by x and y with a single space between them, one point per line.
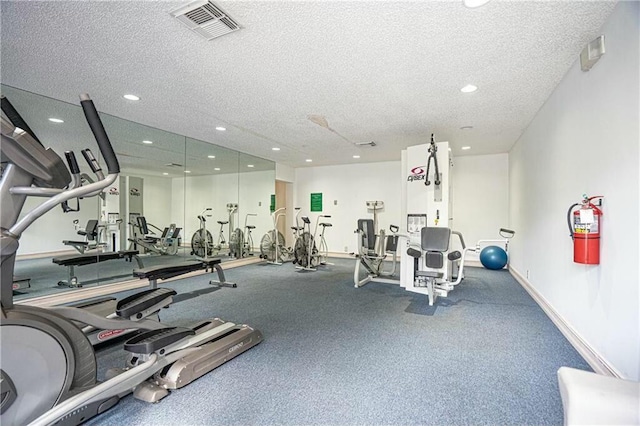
pixel 206 19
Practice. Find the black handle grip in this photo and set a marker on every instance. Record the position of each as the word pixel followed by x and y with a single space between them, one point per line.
pixel 91 114
pixel 91 160
pixel 71 161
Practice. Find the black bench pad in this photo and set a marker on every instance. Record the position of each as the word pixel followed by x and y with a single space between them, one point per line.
pixel 89 258
pixel 163 272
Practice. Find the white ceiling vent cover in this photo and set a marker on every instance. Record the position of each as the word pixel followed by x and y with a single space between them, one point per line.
pixel 206 19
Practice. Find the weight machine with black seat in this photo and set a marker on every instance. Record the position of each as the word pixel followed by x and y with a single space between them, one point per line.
pixel 90 234
pixel 166 244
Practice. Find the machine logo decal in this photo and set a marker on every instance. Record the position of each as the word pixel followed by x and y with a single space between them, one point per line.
pixel 134 192
pixel 417 173
pixel 108 334
pixel 236 347
pixel 114 191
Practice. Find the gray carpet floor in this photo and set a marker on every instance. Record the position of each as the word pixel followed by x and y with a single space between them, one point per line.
pixel 377 355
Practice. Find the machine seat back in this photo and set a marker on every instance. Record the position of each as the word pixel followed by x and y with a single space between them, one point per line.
pixel 91 230
pixel 142 223
pixel 435 242
pixel 365 226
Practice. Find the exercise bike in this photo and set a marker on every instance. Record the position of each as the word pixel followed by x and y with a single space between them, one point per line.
pixel 202 240
pixel 241 243
pixel 307 255
pixel 48 367
pixel 272 245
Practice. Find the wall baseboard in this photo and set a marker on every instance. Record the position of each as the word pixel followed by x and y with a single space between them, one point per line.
pixel 44 254
pixel 595 361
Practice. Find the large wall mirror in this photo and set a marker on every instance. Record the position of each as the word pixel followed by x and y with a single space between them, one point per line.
pixel 177 198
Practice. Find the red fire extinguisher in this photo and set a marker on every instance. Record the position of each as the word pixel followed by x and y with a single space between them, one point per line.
pixel 584 226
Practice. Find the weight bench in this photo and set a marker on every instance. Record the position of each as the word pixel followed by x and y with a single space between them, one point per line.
pixel 74 260
pixel 164 272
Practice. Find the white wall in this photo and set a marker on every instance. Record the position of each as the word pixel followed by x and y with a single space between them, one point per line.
pixel 585 140
pixel 255 193
pixel 480 197
pixel 351 186
pixel 157 199
pixel 285 173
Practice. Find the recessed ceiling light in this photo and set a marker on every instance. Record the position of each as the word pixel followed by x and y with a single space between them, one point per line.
pixel 449 149
pixel 249 165
pixel 356 156
pixel 56 120
pixel 222 129
pixel 166 174
pixel 469 88
pixel 464 148
pixel 19 131
pixel 474 3
pixel 217 169
pixel 466 127
pixel 211 156
pixel 132 97
pixel 308 160
pixel 275 149
pixel 187 171
pixel 147 142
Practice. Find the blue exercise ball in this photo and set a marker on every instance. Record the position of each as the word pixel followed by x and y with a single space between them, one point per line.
pixel 493 257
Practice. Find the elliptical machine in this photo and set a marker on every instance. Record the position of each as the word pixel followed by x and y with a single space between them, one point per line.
pixel 59 384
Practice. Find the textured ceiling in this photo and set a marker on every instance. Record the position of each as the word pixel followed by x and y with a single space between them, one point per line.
pixel 388 72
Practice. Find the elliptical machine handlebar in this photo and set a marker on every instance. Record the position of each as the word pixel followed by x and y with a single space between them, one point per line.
pixel 91 189
pixel 93 119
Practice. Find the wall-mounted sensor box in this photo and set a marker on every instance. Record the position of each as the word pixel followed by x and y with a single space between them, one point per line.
pixel 591 53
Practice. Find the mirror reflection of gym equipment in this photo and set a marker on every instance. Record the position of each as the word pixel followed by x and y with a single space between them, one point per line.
pixel 241 240
pixel 202 240
pixel 149 242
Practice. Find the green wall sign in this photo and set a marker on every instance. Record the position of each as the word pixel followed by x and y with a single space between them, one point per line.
pixel 316 202
pixel 272 206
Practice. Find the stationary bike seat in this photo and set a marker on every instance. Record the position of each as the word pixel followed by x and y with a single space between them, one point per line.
pixel 223 223
pixel 251 227
pixel 326 225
